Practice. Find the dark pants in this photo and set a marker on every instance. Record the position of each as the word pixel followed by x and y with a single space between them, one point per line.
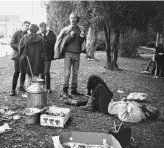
pixel 16 76
pixel 102 98
pixel 46 75
pixel 160 64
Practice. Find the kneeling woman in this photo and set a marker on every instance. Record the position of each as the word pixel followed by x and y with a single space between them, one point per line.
pixel 127 111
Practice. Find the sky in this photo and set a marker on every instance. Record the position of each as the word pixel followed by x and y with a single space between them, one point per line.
pixel 30 10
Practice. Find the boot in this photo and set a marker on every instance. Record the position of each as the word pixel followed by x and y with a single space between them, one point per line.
pixel 14 83
pixel 12 93
pixel 47 78
pixel 22 80
pixel 90 105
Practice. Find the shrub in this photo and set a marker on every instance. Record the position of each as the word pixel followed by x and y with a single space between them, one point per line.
pixel 129 42
pixel 100 46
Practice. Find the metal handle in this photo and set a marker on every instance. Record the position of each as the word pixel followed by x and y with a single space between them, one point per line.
pixel 30 67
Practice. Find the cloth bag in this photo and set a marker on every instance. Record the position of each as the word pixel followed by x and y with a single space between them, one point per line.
pixel 123 136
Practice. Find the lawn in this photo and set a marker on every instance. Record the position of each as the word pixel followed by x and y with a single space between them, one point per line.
pixel 146 134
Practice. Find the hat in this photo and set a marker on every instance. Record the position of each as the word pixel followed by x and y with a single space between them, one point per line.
pixel 33 28
pixel 42 24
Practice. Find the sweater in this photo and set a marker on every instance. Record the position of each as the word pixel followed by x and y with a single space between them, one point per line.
pixel 75 42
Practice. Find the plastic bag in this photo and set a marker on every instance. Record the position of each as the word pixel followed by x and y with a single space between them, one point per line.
pixel 137 96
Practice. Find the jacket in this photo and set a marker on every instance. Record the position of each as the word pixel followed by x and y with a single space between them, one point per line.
pixel 49 43
pixel 129 111
pixel 15 42
pixel 31 45
pixel 62 39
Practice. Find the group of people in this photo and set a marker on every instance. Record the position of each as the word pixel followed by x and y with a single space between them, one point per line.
pixel 33 51
pixel 34 48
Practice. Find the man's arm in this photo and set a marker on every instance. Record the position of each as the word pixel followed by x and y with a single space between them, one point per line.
pixel 14 41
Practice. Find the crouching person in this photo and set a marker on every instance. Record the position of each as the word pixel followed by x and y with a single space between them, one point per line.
pixel 127 111
pixel 31 49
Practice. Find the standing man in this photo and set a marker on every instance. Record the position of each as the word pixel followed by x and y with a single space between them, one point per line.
pixel 48 49
pixel 71 39
pixel 15 56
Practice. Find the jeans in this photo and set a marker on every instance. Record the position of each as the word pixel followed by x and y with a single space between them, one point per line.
pixel 46 74
pixel 71 61
pixel 16 76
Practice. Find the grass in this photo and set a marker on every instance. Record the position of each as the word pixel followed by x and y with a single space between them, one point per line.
pixel 146 134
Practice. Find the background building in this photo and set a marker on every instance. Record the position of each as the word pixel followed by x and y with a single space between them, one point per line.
pixel 8 25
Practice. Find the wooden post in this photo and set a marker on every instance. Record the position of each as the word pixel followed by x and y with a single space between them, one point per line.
pixel 157 36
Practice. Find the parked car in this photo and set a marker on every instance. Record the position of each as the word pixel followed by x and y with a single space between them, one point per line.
pixel 5 41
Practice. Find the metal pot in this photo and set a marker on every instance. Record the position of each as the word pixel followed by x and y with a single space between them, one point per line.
pixel 32 115
pixel 35 86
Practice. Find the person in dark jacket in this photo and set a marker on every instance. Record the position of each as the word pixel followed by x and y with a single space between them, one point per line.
pixel 15 56
pixel 48 49
pixel 31 47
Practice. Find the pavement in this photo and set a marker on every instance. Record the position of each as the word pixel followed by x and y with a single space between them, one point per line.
pixel 146 51
pixel 5 50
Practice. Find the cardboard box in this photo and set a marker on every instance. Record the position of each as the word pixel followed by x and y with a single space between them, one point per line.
pixel 55 120
pixel 84 140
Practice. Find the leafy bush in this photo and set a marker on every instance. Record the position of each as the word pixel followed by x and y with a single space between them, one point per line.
pixel 100 46
pixel 129 42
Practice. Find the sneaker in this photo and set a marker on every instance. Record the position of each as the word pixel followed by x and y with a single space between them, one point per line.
pixel 75 92
pixel 24 95
pixel 12 93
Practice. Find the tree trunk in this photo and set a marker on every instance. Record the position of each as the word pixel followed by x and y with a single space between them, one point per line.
pixel 115 50
pixel 91 42
pixel 107 30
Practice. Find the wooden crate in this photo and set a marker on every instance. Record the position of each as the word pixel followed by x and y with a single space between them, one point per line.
pixel 56 121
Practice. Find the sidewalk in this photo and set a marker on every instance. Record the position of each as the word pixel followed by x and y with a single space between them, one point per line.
pixel 5 50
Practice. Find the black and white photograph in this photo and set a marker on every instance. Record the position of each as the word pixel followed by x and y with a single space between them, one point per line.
pixel 81 74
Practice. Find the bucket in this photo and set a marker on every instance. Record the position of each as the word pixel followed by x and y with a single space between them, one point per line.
pixel 32 115
pixel 32 119
pixel 38 100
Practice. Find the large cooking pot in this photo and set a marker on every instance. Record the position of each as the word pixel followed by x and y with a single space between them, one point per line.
pixel 36 94
pixel 36 86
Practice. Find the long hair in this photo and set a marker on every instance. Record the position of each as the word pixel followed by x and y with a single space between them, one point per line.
pixel 92 83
